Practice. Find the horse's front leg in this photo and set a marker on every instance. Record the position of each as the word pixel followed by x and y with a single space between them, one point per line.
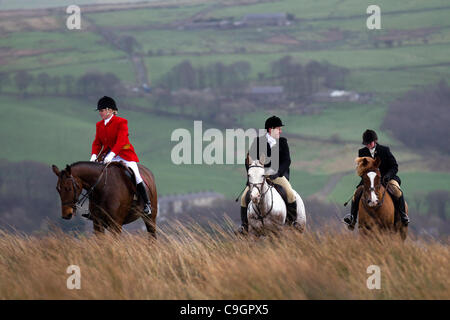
pixel 150 224
pixel 115 229
pixel 99 229
pixel 110 217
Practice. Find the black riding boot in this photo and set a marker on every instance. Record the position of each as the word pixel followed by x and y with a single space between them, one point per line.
pixel 350 219
pixel 291 216
pixel 244 227
pixel 143 193
pixel 402 210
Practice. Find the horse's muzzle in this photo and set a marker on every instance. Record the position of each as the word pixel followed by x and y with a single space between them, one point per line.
pixel 68 217
pixel 372 203
pixel 255 200
pixel 67 213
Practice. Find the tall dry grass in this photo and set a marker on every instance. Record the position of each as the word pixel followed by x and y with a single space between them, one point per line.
pixel 189 263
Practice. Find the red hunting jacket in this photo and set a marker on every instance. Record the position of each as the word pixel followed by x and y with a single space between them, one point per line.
pixel 115 137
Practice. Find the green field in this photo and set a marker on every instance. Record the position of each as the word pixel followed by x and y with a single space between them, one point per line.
pixel 148 16
pixel 31 4
pixel 331 8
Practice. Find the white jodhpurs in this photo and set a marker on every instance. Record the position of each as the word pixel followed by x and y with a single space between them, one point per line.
pixel 132 165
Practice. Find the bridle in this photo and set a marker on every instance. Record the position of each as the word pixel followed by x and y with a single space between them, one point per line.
pixel 74 203
pixel 262 195
pixel 380 203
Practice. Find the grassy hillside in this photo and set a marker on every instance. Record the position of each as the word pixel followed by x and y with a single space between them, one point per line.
pixel 189 263
pixel 60 130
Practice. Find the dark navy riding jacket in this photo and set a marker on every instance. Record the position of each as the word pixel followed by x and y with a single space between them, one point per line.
pixel 281 147
pixel 388 165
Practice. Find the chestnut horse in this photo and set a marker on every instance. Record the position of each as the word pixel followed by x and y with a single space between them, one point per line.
pixel 111 193
pixel 376 208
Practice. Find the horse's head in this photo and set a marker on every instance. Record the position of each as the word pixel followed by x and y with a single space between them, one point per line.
pixel 370 173
pixel 69 189
pixel 256 178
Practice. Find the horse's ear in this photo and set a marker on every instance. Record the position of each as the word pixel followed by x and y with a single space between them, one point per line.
pixel 262 159
pixel 377 162
pixel 250 160
pixel 68 170
pixel 56 170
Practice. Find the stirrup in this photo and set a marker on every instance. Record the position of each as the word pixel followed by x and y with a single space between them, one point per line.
pixel 348 220
pixel 87 215
pixel 405 220
pixel 147 209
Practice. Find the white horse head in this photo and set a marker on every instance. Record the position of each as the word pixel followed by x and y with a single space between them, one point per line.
pixel 256 179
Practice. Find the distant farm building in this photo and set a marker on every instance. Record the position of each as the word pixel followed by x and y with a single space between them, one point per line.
pixel 336 96
pixel 259 19
pixel 179 203
pixel 266 94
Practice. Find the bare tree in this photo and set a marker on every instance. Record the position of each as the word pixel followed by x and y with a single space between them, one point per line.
pixel 23 79
pixel 68 83
pixel 4 80
pixel 43 80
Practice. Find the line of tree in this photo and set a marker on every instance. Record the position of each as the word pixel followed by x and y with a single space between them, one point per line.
pixel 216 76
pixel 304 80
pixel 90 83
pixel 298 80
pixel 421 117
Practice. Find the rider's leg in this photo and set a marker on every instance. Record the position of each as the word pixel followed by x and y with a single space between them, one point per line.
pixel 352 217
pixel 399 201
pixel 292 200
pixel 140 187
pixel 244 219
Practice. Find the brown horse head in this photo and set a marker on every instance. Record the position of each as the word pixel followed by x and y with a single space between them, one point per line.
pixel 368 170
pixel 69 189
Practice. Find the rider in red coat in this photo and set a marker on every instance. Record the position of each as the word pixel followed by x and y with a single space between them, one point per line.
pixel 112 135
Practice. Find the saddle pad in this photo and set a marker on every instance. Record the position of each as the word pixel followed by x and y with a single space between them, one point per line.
pixel 280 190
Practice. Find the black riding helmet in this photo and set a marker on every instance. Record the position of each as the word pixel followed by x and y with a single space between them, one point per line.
pixel 106 102
pixel 369 136
pixel 273 122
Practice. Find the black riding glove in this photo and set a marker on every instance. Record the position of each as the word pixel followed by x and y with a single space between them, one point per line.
pixel 274 176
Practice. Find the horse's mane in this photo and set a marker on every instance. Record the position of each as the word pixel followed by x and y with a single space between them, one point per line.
pixel 98 164
pixel 364 164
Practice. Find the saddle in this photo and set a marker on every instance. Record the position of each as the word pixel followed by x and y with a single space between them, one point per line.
pixel 277 187
pixel 130 174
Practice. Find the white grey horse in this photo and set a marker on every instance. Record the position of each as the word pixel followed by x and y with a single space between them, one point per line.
pixel 267 210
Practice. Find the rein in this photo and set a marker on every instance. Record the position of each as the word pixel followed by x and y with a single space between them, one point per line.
pixel 263 194
pixel 79 203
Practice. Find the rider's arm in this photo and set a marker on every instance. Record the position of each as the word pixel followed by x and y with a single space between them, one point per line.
pixel 97 144
pixel 122 137
pixel 284 165
pixel 393 166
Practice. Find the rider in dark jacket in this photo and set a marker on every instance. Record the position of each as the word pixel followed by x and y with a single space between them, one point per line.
pixel 388 170
pixel 276 149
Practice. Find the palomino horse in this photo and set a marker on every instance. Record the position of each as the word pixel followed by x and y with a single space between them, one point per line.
pixel 267 210
pixel 111 194
pixel 376 208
